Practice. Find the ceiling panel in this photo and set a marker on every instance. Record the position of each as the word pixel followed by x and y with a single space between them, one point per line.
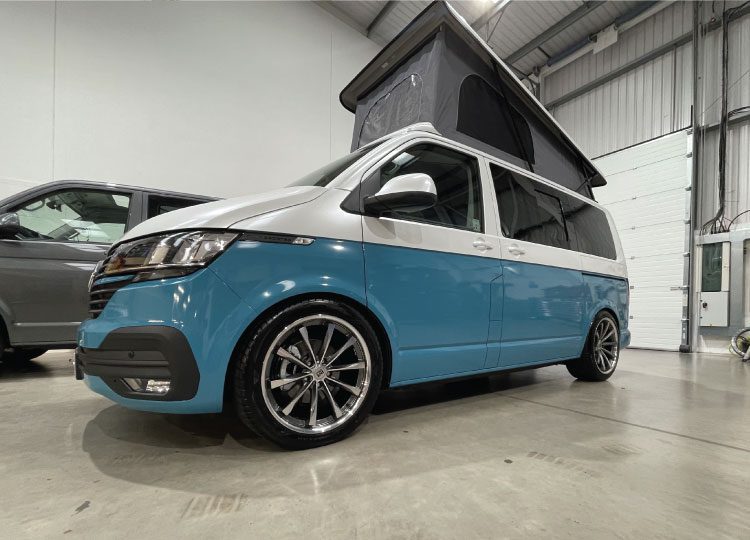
pixel 521 22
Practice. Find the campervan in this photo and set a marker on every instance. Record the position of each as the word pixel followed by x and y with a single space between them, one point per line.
pixel 435 250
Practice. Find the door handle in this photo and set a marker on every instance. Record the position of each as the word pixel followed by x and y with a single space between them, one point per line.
pixel 481 245
pixel 515 250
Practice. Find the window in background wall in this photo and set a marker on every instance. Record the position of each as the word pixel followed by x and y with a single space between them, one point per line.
pixel 711 267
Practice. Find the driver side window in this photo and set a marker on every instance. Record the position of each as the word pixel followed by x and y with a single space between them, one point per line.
pixel 458 183
pixel 76 215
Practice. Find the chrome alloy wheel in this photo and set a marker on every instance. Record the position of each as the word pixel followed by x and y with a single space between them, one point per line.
pixel 316 374
pixel 606 345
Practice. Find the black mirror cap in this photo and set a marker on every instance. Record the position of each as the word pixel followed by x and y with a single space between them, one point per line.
pixel 10 226
pixel 405 201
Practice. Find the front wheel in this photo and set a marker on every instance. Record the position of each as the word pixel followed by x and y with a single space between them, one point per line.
pixel 309 375
pixel 601 352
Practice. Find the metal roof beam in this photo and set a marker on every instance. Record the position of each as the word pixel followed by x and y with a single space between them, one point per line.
pixel 334 10
pixel 382 14
pixel 553 30
pixel 679 41
pixel 652 55
pixel 496 9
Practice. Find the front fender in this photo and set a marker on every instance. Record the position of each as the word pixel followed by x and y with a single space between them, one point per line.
pixel 264 274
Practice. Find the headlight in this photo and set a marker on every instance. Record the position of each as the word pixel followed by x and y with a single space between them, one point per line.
pixel 166 255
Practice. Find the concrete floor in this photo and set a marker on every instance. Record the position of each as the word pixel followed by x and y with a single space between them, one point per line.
pixel 662 450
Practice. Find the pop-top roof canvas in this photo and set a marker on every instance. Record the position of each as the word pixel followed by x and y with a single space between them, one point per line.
pixel 438 70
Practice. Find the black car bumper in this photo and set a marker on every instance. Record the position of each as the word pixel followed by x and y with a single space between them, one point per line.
pixel 143 353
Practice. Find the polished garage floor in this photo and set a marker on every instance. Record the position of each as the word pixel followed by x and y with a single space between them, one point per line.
pixel 662 450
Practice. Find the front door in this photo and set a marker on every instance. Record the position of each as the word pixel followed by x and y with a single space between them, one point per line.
pixel 543 296
pixel 45 270
pixel 429 272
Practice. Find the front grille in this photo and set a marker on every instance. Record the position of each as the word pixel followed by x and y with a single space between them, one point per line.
pixel 101 293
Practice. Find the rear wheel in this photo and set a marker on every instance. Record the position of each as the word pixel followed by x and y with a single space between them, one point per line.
pixel 309 375
pixel 601 353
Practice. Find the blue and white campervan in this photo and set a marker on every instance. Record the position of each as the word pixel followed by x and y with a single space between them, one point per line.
pixel 415 258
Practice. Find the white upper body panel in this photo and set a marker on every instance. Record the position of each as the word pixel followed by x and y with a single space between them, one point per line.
pixel 316 211
pixel 225 213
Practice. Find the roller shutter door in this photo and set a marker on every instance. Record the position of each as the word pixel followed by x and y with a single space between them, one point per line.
pixel 647 197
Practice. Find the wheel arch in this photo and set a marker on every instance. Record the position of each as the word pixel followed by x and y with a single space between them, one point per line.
pixel 601 309
pixel 372 318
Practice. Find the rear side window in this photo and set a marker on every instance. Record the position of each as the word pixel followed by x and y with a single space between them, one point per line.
pixel 590 227
pixel 528 211
pixel 457 180
pixel 158 205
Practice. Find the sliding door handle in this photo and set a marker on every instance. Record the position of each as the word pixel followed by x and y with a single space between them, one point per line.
pixel 516 250
pixel 481 245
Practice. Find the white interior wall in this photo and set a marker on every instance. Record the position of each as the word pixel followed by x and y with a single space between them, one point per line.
pixel 203 97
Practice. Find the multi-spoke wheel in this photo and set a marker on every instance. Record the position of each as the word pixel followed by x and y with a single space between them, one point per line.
pixel 601 353
pixel 309 375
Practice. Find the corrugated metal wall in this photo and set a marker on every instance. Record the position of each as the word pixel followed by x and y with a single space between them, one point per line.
pixel 738 135
pixel 647 102
pixel 656 98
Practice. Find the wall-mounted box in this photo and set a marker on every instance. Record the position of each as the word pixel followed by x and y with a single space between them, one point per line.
pixel 714 308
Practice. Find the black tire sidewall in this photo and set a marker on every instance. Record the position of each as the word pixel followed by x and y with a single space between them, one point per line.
pixel 248 376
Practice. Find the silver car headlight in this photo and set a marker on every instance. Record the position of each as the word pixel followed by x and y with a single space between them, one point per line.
pixel 166 255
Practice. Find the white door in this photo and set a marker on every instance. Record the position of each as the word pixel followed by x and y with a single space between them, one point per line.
pixel 646 194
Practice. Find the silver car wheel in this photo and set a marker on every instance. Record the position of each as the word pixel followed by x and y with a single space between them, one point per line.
pixel 316 374
pixel 606 345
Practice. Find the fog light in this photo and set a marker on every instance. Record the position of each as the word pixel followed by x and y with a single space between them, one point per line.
pixel 148 386
pixel 157 386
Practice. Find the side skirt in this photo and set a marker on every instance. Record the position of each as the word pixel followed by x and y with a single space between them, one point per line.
pixel 476 374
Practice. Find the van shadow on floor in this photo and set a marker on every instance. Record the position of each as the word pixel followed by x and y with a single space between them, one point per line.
pixel 164 450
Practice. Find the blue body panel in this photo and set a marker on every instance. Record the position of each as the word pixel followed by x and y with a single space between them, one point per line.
pixel 210 315
pixel 445 314
pixel 214 306
pixel 604 292
pixel 437 303
pixel 542 314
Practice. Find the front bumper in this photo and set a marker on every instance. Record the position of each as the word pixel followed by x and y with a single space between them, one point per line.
pixel 143 353
pixel 181 329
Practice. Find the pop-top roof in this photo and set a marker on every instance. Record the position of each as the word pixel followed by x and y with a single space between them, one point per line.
pixel 438 18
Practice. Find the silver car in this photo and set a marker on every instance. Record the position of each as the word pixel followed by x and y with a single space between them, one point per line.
pixel 51 238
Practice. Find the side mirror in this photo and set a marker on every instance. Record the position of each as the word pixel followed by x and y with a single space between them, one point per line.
pixel 10 226
pixel 405 193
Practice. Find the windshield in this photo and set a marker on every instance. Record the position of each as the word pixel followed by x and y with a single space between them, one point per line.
pixel 324 175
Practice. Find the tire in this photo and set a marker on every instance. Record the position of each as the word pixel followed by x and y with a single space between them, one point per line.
pixel 21 356
pixel 280 371
pixel 601 352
